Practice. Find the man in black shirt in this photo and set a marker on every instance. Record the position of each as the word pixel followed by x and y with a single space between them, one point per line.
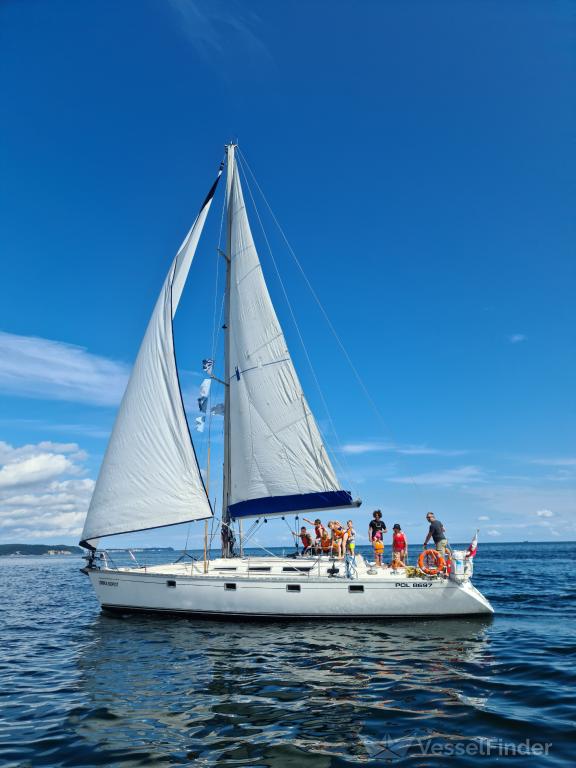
pixel 437 533
pixel 377 527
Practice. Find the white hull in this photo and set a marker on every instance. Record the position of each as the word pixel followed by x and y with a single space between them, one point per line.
pixel 282 594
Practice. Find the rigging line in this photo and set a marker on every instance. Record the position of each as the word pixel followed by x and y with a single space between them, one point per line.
pixel 215 531
pixel 254 532
pixel 343 469
pixel 215 326
pixel 211 532
pixel 187 537
pixel 294 535
pixel 322 310
pixel 251 530
pixel 207 439
pixel 272 554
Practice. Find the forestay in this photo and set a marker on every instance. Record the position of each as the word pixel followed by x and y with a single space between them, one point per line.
pixel 278 462
pixel 150 476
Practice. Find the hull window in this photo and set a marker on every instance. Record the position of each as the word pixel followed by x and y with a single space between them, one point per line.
pixel 170 583
pixel 292 587
pixel 231 587
pixel 356 588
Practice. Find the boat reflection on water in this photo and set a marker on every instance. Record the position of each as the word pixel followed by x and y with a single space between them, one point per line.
pixel 217 692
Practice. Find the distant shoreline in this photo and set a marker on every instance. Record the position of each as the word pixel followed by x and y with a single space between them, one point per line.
pixel 39 549
pixel 10 550
pixel 67 550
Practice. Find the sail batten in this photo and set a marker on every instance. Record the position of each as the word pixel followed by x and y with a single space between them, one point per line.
pixel 278 462
pixel 150 476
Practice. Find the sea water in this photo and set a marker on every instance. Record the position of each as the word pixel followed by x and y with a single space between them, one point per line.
pixel 79 688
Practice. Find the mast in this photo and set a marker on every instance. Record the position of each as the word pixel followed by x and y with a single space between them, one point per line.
pixel 226 531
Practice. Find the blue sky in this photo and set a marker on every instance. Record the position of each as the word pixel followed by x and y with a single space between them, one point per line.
pixel 418 156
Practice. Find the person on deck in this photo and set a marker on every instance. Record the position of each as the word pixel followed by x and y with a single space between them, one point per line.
pixel 349 539
pixel 377 529
pixel 306 539
pixel 322 539
pixel 326 543
pixel 378 546
pixel 397 562
pixel 437 533
pixel 337 538
pixel 399 543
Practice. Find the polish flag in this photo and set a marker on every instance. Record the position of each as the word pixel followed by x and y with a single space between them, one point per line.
pixel 473 546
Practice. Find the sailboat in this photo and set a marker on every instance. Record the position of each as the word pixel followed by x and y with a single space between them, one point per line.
pixel 275 463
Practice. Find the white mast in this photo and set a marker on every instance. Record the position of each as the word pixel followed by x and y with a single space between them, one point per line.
pixel 226 549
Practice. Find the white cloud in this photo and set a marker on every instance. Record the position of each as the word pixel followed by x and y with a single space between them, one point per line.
pixel 447 477
pixel 516 338
pixel 41 493
pixel 406 450
pixel 493 532
pixel 514 506
pixel 37 469
pixel 563 461
pixel 483 517
pixel 54 370
pixel 545 513
pixel 10 454
pixel 218 30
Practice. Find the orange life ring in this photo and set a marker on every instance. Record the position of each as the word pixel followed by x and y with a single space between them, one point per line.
pixel 424 560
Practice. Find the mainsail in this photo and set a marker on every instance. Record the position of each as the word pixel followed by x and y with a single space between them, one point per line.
pixel 150 476
pixel 277 460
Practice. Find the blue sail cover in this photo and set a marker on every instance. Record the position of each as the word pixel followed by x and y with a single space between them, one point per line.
pixel 283 505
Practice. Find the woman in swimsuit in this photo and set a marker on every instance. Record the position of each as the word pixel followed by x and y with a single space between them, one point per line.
pixel 337 538
pixel 399 543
